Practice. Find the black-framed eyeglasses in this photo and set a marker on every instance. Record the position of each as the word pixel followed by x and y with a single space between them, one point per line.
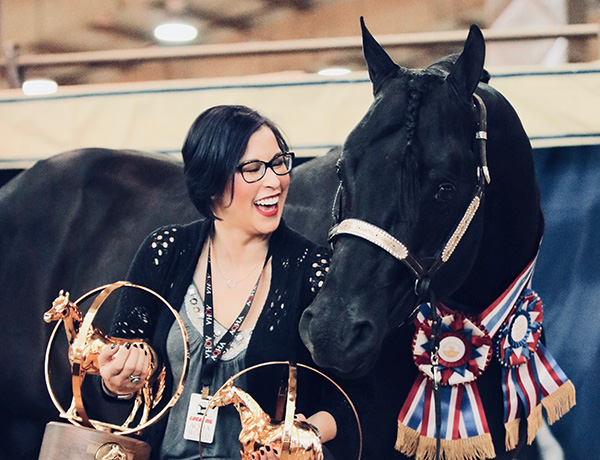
pixel 255 170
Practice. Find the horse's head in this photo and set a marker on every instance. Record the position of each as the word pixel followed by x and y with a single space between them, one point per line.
pixel 415 167
pixel 226 395
pixel 62 308
pixel 230 394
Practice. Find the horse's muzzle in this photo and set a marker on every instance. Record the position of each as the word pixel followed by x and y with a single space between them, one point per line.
pixel 349 348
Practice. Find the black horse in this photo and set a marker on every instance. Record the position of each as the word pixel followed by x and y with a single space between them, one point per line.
pixel 416 167
pixel 71 222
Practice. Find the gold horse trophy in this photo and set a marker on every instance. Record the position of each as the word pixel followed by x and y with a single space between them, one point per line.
pixel 298 439
pixel 92 439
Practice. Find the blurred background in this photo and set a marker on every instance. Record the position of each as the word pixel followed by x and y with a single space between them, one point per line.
pixel 122 33
pixel 135 73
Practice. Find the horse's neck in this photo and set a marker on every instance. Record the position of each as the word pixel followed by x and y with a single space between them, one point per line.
pixel 73 323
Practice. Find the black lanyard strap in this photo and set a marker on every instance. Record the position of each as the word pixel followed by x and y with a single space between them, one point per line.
pixel 213 352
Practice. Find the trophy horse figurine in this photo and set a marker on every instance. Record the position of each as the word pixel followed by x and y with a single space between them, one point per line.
pixel 299 439
pixel 95 340
pixel 88 439
pixel 258 429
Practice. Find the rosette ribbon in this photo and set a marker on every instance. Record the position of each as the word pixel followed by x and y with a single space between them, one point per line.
pixel 510 330
pixel 531 377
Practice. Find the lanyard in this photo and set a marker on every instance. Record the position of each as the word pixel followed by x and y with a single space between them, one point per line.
pixel 212 351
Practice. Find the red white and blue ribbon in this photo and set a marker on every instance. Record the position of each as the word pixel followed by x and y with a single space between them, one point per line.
pixel 510 330
pixel 531 377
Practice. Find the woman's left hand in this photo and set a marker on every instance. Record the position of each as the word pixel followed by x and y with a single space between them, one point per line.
pixel 323 421
pixel 268 452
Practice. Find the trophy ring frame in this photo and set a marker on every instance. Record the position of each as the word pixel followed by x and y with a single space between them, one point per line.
pixel 290 406
pixel 78 344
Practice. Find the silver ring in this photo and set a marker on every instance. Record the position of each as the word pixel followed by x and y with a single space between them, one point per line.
pixel 134 379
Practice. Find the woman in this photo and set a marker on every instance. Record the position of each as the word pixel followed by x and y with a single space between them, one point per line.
pixel 240 265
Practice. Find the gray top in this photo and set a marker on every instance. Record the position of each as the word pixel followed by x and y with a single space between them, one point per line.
pixel 225 445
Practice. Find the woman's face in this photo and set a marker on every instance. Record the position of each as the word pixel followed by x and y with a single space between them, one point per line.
pixel 255 208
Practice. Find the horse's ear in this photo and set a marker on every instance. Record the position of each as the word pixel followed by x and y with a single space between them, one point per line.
pixel 379 64
pixel 468 69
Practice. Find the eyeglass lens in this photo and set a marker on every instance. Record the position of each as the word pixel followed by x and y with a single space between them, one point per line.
pixel 254 171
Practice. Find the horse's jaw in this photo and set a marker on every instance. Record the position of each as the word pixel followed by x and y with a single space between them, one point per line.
pixel 327 354
pixel 341 337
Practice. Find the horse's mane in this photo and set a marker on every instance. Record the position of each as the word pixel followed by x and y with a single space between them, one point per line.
pixel 444 66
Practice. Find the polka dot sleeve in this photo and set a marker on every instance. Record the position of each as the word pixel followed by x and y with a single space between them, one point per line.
pixel 319 267
pixel 136 310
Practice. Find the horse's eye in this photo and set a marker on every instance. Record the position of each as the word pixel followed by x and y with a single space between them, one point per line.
pixel 445 193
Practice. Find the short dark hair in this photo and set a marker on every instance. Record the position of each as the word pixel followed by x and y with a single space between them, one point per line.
pixel 214 146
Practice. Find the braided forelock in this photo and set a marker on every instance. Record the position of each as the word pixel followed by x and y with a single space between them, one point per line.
pixel 418 83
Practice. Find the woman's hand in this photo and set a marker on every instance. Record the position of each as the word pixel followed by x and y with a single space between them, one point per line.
pixel 124 368
pixel 268 452
pixel 322 421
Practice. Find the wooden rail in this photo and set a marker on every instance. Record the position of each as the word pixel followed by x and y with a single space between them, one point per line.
pixel 588 31
pixel 12 61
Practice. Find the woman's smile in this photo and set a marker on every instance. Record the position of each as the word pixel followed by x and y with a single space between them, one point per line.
pixel 268 206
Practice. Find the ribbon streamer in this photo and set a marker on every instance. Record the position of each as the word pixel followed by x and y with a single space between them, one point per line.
pixel 531 377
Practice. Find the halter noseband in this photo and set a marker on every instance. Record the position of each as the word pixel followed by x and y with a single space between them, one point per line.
pixel 395 247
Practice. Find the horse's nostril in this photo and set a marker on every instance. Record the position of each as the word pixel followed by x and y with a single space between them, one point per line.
pixel 306 318
pixel 304 327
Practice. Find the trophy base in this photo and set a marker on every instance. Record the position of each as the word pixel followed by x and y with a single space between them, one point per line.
pixel 63 440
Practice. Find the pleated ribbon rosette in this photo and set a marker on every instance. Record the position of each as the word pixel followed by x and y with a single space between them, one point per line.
pixel 509 331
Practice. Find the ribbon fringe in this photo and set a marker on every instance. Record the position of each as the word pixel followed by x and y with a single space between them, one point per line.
pixel 559 402
pixel 512 434
pixel 534 423
pixel 556 404
pixel 411 443
pixel 407 440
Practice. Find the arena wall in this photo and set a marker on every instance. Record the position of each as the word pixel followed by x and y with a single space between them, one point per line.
pixel 557 107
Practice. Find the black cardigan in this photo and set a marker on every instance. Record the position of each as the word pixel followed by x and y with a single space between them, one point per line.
pixel 165 263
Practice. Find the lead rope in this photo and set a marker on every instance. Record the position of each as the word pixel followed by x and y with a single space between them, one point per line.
pixel 426 294
pixel 435 332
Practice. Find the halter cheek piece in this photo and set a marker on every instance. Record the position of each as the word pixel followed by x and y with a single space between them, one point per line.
pixel 399 250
